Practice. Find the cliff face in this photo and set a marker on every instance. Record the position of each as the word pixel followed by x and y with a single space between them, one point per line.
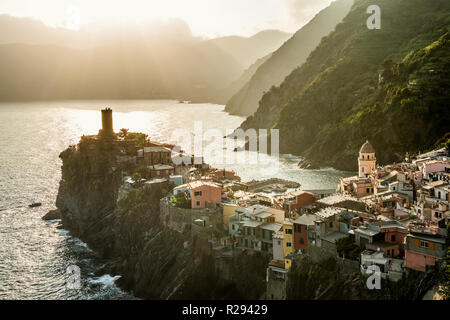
pixel 124 224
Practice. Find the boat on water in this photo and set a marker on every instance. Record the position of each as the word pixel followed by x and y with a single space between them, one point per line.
pixel 35 204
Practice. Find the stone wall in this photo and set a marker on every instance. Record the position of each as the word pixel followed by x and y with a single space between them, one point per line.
pixel 347 267
pixel 318 254
pixel 276 289
pixel 180 219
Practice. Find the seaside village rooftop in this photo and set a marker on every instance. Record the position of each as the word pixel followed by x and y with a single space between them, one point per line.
pixel 393 216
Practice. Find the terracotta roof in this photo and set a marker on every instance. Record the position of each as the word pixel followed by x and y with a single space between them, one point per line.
pixel 156 149
pixel 198 183
pixel 367 148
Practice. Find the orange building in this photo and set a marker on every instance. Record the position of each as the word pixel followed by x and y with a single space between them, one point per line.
pixel 294 200
pixel 204 193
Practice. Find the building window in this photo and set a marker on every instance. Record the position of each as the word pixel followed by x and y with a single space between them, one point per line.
pixel 424 244
pixel 288 231
pixel 288 244
pixel 367 190
pixel 302 241
pixel 393 238
pixel 232 227
pixel 331 224
pixel 198 193
pixel 197 203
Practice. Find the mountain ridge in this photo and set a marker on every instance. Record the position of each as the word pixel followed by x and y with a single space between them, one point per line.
pixel 117 63
pixel 289 56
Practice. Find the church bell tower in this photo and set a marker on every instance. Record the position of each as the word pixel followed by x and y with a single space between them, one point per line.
pixel 367 161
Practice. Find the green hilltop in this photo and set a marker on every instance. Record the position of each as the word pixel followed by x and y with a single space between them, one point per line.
pixel 390 86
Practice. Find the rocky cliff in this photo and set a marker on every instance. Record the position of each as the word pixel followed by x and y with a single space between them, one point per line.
pixel 124 224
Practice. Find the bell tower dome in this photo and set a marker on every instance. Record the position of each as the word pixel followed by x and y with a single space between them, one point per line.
pixel 367 161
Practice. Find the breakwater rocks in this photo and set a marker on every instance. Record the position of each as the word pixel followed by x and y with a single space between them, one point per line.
pixel 270 185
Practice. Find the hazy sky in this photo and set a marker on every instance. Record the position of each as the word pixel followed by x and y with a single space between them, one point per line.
pixel 208 18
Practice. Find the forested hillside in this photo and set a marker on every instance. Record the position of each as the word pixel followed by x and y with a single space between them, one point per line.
pixel 390 86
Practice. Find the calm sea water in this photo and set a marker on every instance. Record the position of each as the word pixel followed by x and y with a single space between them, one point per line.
pixel 35 254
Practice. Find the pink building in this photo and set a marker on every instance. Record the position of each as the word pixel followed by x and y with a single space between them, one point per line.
pixel 434 166
pixel 204 193
pixel 424 250
pixel 440 211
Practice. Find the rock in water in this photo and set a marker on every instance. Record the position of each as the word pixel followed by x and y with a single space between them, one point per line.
pixel 52 215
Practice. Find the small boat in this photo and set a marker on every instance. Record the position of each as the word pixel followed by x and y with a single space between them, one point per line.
pixel 35 204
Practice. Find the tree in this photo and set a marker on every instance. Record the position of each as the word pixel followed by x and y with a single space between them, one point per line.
pixel 137 178
pixel 123 133
pixel 182 202
pixel 143 171
pixel 140 139
pixel 347 248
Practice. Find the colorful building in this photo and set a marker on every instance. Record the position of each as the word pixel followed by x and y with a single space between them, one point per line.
pixel 204 193
pixel 385 236
pixel 288 242
pixel 424 250
pixel 302 226
pixel 229 210
pixel 294 201
pixel 160 171
pixel 201 193
pixel 157 155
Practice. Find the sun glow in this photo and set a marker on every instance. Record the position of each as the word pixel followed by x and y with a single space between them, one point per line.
pixel 205 17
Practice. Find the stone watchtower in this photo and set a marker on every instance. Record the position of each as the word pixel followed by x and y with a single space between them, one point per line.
pixel 107 122
pixel 366 161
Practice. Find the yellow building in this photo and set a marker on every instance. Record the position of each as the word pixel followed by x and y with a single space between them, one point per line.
pixel 229 210
pixel 288 242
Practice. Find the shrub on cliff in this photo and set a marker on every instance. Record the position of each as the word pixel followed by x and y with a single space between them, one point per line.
pixel 140 139
pixel 138 213
pixel 347 248
pixel 309 281
pixel 181 201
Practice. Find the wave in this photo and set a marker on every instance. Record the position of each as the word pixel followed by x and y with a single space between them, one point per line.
pixel 106 280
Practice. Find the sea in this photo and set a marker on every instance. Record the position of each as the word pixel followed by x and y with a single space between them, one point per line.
pixel 36 255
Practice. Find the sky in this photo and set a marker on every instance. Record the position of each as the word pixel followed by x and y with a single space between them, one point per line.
pixel 206 18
